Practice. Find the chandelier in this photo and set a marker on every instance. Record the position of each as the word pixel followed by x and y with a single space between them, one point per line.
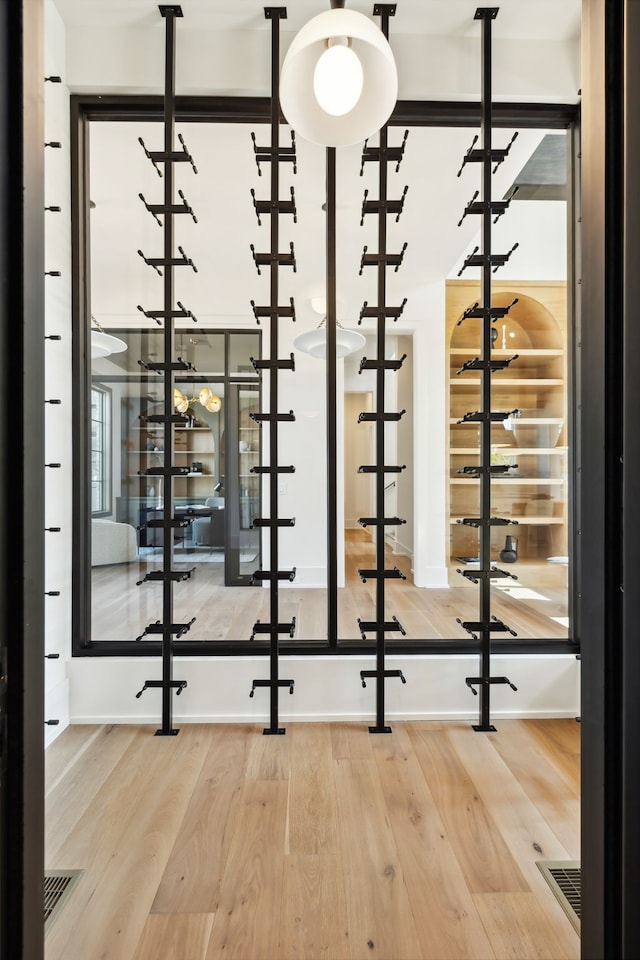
pixel 206 398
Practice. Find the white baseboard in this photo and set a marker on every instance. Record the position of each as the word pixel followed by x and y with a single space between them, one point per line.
pixel 496 716
pixel 326 688
pixel 401 550
pixel 431 577
pixel 305 577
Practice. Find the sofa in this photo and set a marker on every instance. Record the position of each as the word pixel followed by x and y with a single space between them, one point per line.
pixel 112 542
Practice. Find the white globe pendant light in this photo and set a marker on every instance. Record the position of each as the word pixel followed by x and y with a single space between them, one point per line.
pixel 339 82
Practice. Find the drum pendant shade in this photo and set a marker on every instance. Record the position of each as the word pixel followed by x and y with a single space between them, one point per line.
pixel 380 79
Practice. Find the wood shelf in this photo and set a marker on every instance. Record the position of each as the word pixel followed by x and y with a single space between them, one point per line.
pixel 535 383
pixel 520 520
pixel 157 453
pixel 500 383
pixel 184 476
pixel 157 427
pixel 525 421
pixel 469 353
pixel 507 451
pixel 514 481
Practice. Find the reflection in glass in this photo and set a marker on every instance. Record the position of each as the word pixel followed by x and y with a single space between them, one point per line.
pixel 241 348
pixel 217 545
pixel 532 440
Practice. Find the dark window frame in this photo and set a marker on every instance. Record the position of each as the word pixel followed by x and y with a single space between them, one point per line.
pixel 90 108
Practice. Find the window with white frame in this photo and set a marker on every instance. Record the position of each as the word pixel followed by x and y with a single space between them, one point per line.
pixel 100 450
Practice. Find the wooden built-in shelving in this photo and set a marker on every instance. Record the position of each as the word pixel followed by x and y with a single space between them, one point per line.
pixel 536 386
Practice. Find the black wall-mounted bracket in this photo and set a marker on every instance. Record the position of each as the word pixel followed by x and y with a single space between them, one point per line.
pixel 382 208
pixel 164 161
pixel 274 207
pixel 488 210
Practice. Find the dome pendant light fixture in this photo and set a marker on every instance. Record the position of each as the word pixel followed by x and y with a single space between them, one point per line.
pixel 339 82
pixel 104 344
pixel 314 342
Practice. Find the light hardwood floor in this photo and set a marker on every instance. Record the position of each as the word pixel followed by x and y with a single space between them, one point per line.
pixel 325 843
pixel 121 610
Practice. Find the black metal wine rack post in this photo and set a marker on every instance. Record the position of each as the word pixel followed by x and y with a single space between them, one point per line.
pixel 163 161
pixel 382 207
pixel 489 210
pixel 274 207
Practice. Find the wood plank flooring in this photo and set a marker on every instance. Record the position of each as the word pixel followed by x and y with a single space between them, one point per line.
pixel 121 610
pixel 325 843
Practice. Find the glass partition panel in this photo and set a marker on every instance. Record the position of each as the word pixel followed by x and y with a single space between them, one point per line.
pixel 530 447
pixel 220 448
pixel 530 443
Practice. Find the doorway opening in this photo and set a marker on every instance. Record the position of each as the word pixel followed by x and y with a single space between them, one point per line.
pixel 359 489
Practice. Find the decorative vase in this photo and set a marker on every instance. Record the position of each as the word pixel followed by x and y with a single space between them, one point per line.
pixel 509 554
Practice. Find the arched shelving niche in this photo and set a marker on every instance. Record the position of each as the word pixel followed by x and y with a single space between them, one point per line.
pixel 534 494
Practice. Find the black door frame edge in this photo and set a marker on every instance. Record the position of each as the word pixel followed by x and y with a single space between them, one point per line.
pixel 22 415
pixel 628 593
pixel 610 449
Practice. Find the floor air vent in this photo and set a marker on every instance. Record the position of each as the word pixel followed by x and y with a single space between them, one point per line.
pixel 564 878
pixel 58 885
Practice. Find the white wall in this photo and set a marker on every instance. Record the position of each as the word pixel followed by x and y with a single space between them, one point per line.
pixel 431 523
pixel 326 688
pixel 303 444
pixel 540 229
pixel 130 60
pixel 359 446
pixel 57 379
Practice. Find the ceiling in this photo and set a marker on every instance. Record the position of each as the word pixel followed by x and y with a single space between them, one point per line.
pixel 525 19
